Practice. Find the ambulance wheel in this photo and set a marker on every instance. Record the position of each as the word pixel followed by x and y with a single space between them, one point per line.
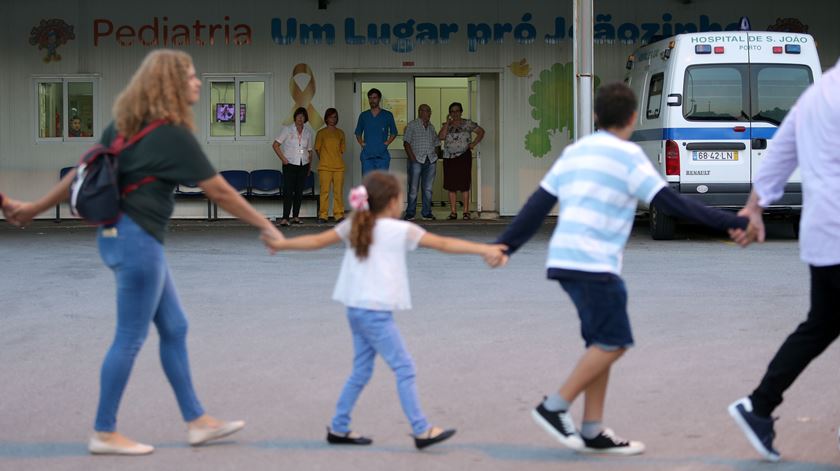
pixel 661 225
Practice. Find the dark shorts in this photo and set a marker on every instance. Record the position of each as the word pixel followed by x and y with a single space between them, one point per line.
pixel 602 308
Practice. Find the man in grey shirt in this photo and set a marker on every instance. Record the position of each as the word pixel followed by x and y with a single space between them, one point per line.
pixel 808 138
pixel 421 143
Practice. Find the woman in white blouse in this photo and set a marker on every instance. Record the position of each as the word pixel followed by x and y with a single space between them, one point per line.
pixel 294 148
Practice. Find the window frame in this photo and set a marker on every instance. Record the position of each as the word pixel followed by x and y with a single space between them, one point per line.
pixel 65 81
pixel 237 79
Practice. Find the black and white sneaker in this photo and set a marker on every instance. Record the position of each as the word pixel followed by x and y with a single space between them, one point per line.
pixel 559 425
pixel 606 442
pixel 759 430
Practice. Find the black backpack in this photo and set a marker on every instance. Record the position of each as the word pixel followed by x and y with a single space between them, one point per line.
pixel 95 193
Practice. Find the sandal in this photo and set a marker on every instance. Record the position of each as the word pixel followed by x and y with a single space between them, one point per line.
pixel 466 216
pixel 452 216
pixel 284 222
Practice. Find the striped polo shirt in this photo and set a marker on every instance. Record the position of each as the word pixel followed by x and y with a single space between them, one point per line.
pixel 598 181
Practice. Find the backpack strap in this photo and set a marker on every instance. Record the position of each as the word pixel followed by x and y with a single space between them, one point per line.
pixel 129 188
pixel 120 144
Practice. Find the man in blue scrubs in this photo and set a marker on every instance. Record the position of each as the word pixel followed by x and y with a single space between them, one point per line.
pixel 375 130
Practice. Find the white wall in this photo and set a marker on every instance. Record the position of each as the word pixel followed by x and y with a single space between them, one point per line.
pixel 28 169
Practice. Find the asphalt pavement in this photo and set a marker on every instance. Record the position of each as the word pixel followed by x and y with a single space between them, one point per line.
pixel 267 345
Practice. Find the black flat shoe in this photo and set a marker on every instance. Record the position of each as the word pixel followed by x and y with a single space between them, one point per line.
pixel 346 439
pixel 421 443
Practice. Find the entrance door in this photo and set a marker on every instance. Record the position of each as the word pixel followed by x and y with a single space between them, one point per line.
pixel 398 98
pixel 402 94
pixel 472 93
pixel 439 93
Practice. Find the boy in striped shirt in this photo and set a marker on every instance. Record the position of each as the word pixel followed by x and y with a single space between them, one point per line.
pixel 598 181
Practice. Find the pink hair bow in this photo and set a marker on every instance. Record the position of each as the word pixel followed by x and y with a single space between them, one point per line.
pixel 359 198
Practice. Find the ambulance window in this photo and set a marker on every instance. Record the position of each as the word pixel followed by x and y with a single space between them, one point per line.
pixel 714 93
pixel 776 88
pixel 654 103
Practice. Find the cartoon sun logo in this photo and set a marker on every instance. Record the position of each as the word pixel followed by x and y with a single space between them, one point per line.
pixel 49 35
pixel 520 68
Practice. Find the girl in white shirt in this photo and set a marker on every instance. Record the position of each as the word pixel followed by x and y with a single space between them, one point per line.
pixel 372 283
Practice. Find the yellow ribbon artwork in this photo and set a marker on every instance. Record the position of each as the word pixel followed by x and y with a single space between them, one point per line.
pixel 303 98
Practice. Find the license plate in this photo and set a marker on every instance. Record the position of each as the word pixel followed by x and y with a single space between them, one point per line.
pixel 714 155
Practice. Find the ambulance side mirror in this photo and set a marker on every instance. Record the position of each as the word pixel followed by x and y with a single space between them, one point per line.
pixel 675 99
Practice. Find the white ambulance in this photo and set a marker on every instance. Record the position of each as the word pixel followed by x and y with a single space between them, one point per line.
pixel 708 105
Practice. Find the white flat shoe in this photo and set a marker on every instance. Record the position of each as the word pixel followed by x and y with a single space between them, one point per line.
pixel 98 447
pixel 202 435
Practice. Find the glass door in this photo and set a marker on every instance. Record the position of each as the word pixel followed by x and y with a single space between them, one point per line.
pixel 472 93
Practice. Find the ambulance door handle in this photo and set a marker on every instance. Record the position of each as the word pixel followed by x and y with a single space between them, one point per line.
pixel 674 99
pixel 758 144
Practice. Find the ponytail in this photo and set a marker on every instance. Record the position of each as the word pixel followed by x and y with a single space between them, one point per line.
pixel 361 234
pixel 368 200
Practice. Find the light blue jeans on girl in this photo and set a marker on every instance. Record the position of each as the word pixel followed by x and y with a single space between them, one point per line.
pixel 375 332
pixel 145 294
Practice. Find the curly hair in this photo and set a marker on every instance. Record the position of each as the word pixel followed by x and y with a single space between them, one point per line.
pixel 158 90
pixel 382 188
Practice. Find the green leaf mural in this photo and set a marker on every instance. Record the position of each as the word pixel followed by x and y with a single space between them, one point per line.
pixel 552 104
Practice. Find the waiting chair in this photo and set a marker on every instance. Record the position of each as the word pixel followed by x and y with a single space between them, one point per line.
pixel 191 190
pixel 61 174
pixel 238 179
pixel 309 191
pixel 266 183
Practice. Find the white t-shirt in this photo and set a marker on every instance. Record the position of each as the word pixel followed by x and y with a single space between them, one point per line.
pixel 379 282
pixel 296 146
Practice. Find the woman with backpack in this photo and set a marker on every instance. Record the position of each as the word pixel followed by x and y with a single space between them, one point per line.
pixel 165 87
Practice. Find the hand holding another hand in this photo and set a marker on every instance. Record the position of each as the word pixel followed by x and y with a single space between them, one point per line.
pixel 495 255
pixel 9 206
pixel 272 238
pixel 755 229
pixel 19 213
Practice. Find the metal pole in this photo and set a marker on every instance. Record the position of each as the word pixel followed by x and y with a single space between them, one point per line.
pixel 583 64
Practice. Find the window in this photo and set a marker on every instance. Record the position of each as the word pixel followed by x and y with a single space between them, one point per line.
pixel 238 108
pixel 776 88
pixel 727 92
pixel 715 93
pixel 66 108
pixel 654 103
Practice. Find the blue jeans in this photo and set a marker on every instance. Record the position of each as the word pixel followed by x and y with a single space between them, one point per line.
pixel 370 164
pixel 416 172
pixel 375 332
pixel 145 294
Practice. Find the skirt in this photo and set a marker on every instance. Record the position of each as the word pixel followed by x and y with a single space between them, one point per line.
pixel 457 172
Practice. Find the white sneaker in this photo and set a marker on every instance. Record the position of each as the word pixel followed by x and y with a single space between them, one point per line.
pixel 559 425
pixel 606 442
pixel 99 447
pixel 201 435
